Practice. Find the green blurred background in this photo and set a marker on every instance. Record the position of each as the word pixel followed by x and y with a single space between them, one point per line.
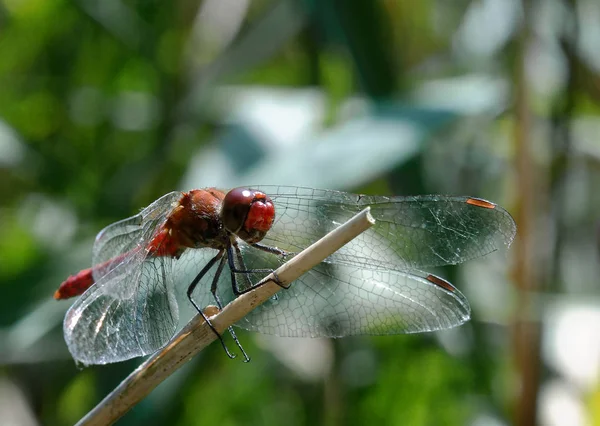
pixel 106 104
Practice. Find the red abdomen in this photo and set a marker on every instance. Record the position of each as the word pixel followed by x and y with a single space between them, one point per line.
pixel 75 285
pixel 161 245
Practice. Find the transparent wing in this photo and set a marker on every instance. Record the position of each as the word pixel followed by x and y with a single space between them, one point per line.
pixel 121 240
pixel 374 284
pixel 334 300
pixel 410 233
pixel 113 322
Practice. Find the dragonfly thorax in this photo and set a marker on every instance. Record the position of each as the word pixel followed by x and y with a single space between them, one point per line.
pixel 195 222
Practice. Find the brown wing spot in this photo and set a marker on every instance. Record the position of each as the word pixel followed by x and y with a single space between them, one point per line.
pixel 481 203
pixel 440 282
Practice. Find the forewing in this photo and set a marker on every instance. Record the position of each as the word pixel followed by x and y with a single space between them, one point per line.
pixel 410 232
pixel 121 240
pixel 374 284
pixel 334 300
pixel 113 322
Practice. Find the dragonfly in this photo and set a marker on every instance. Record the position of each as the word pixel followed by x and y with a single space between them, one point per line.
pixel 146 269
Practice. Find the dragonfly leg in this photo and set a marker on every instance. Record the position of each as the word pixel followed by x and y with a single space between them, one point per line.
pixel 272 250
pixel 277 251
pixel 191 289
pixel 235 270
pixel 213 287
pixel 213 290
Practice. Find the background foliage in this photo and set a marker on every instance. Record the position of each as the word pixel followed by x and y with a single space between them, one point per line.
pixel 106 105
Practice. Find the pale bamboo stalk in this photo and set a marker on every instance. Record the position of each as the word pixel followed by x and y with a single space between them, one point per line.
pixel 196 335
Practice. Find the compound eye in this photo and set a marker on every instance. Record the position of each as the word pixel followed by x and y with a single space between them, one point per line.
pixel 236 206
pixel 248 213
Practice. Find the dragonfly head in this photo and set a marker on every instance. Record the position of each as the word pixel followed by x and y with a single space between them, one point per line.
pixel 247 213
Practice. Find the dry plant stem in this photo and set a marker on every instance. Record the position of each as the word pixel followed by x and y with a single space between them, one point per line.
pixel 526 333
pixel 196 335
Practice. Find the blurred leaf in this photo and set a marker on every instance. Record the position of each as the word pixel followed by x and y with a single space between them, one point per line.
pixel 18 248
pixel 362 27
pixel 77 398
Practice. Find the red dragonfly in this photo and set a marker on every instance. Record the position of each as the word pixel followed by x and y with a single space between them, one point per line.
pixel 147 265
